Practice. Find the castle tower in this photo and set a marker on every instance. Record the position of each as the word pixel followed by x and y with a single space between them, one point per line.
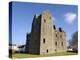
pixel 46 39
pixel 34 45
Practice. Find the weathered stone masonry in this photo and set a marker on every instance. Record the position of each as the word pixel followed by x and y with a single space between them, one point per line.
pixel 44 38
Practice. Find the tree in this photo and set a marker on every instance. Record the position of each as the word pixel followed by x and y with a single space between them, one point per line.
pixel 74 42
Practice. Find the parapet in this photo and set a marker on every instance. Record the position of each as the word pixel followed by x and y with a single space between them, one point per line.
pixel 61 30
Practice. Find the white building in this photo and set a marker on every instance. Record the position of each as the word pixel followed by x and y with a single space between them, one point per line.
pixel 13 47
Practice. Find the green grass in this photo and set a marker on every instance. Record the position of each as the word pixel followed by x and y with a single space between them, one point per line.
pixel 21 55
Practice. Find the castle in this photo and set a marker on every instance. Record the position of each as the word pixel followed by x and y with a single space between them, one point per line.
pixel 44 38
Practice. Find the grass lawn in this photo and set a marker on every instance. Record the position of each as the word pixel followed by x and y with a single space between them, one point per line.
pixel 22 55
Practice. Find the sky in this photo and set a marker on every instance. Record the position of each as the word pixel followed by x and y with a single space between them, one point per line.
pixel 65 16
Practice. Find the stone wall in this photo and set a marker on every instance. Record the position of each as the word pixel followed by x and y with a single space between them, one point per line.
pixel 46 34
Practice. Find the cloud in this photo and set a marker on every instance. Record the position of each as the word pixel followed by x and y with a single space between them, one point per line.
pixel 69 17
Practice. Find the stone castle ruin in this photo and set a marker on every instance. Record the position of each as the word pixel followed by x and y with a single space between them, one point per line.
pixel 44 38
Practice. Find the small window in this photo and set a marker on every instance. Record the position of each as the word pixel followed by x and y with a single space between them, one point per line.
pixel 56 35
pixel 47 50
pixel 44 40
pixel 60 36
pixel 55 50
pixel 56 43
pixel 44 20
pixel 62 43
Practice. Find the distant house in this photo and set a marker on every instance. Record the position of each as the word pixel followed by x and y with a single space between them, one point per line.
pixel 75 48
pixel 22 48
pixel 69 48
pixel 13 47
pixel 17 48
